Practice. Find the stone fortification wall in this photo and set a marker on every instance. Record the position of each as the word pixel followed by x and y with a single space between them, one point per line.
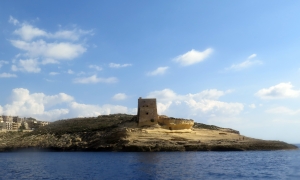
pixel 147 112
pixel 175 123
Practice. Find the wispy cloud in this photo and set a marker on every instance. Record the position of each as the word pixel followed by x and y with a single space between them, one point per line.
pixel 27 65
pixel 119 96
pixel 53 73
pixel 13 21
pixel 282 110
pixel 245 64
pixel 28 32
pixel 70 71
pixel 73 34
pixel 7 75
pixel 252 56
pixel 49 61
pixel 279 91
pixel 252 106
pixel 81 73
pixel 158 71
pixel 193 56
pixel 2 62
pixel 94 79
pixel 114 65
pixel 55 50
pixel 98 68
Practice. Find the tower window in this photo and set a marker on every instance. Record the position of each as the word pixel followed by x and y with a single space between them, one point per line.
pixel 147 113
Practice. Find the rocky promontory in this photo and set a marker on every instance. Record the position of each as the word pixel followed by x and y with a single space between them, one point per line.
pixel 120 132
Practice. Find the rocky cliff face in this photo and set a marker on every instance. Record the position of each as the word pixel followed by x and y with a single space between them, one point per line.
pixel 175 123
pixel 120 132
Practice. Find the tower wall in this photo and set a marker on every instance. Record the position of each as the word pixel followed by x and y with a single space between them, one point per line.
pixel 147 112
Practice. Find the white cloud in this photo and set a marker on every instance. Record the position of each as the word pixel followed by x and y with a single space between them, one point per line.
pixel 13 21
pixel 53 100
pixel 162 107
pixel 167 94
pixel 202 104
pixel 279 91
pixel 192 57
pixel 119 96
pixel 213 107
pixel 26 104
pixel 81 73
pixel 51 115
pixel 47 47
pixel 53 73
pixel 158 71
pixel 209 94
pixel 245 64
pixel 94 79
pixel 114 65
pixel 252 106
pixel 73 35
pixel 252 56
pixel 28 32
pixel 27 65
pixel 45 107
pixel 86 110
pixel 57 51
pixel 282 110
pixel 70 71
pixel 7 75
pixel 2 62
pixel 98 68
pixel 164 95
pixel 49 61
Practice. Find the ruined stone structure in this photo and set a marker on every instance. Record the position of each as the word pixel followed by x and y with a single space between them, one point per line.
pixel 175 123
pixel 147 112
pixel 147 116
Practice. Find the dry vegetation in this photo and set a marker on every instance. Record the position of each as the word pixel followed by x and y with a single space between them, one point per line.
pixel 87 124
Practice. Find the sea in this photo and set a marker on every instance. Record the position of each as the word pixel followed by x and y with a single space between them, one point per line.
pixel 283 164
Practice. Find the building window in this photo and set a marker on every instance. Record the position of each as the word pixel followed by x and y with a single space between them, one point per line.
pixel 147 113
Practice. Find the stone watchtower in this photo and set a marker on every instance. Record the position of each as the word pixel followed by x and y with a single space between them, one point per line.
pixel 147 112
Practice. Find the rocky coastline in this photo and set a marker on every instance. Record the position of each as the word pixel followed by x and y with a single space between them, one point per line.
pixel 119 132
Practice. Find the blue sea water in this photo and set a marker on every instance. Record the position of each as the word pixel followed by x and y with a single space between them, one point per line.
pixel 151 165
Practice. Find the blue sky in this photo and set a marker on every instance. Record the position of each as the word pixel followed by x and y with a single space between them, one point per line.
pixel 231 63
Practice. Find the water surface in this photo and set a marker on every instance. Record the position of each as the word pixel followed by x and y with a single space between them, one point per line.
pixel 151 165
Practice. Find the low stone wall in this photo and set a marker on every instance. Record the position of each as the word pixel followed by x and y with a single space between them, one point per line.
pixel 175 123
